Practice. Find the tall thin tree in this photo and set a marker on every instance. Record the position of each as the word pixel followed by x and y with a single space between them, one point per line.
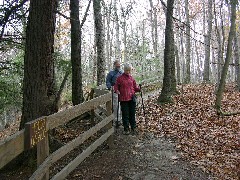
pixel 207 37
pixel 153 16
pixel 99 33
pixel 117 29
pixel 77 86
pixel 169 80
pixel 222 83
pixel 187 78
pixel 237 60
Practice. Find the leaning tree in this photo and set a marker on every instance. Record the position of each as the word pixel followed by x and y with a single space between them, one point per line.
pixel 222 83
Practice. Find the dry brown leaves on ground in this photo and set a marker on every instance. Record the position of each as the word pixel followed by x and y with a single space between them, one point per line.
pixel 207 140
pixel 13 128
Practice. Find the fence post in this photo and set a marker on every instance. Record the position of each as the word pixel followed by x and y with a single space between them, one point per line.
pixel 109 126
pixel 42 154
pixel 36 134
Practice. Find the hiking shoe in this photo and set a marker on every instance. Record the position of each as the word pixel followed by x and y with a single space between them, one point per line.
pixel 134 131
pixel 127 132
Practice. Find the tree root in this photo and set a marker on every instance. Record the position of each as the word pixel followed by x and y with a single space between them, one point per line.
pixel 221 113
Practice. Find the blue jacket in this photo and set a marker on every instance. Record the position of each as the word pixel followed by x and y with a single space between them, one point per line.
pixel 111 78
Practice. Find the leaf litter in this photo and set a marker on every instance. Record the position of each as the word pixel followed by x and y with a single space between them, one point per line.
pixel 207 140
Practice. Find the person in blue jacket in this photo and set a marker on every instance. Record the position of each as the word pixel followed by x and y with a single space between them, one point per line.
pixel 110 82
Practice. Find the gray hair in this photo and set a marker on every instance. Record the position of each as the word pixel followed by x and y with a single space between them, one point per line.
pixel 127 67
pixel 115 62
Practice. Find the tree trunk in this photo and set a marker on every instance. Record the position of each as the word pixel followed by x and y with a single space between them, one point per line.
pixel 222 17
pixel 213 66
pixel 117 43
pixel 155 23
pixel 108 40
pixel 237 59
pixel 220 54
pixel 169 58
pixel 177 64
pixel 207 38
pixel 63 83
pixel 198 70
pixel 99 33
pixel 188 45
pixel 153 16
pixel 182 55
pixel 144 54
pixel 228 57
pixel 124 24
pixel 180 45
pixel 39 81
pixel 77 92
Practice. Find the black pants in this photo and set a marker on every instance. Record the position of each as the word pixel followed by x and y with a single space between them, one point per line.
pixel 128 114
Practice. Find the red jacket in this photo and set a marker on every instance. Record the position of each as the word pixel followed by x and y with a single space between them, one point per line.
pixel 126 86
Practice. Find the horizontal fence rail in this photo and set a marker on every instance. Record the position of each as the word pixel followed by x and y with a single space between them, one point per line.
pixel 68 147
pixel 12 146
pixel 72 165
pixel 63 117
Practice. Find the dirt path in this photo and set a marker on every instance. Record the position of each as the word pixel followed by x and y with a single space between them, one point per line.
pixel 141 157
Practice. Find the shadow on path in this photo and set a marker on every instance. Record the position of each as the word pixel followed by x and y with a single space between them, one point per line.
pixel 141 157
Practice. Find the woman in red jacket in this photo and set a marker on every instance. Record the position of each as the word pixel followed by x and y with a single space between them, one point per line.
pixel 126 87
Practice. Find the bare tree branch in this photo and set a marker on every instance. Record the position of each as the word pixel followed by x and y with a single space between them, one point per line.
pixel 184 24
pixel 84 18
pixel 66 17
pixel 86 14
pixel 7 14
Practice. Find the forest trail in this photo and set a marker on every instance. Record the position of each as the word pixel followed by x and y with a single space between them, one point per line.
pixel 141 157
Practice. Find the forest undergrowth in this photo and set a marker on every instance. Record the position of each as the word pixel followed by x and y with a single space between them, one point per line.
pixel 207 140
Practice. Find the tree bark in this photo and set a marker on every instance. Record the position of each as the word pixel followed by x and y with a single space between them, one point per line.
pixel 222 17
pixel 77 86
pixel 222 83
pixel 177 65
pixel 188 45
pixel 237 59
pixel 99 33
pixel 39 81
pixel 63 83
pixel 117 42
pixel 207 38
pixel 220 54
pixel 108 41
pixel 198 69
pixel 153 16
pixel 169 58
pixel 124 25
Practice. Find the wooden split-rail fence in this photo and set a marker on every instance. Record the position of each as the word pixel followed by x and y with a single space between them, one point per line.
pixel 35 133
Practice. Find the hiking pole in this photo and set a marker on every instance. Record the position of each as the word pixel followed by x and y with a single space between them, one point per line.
pixel 142 99
pixel 117 123
pixel 112 98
